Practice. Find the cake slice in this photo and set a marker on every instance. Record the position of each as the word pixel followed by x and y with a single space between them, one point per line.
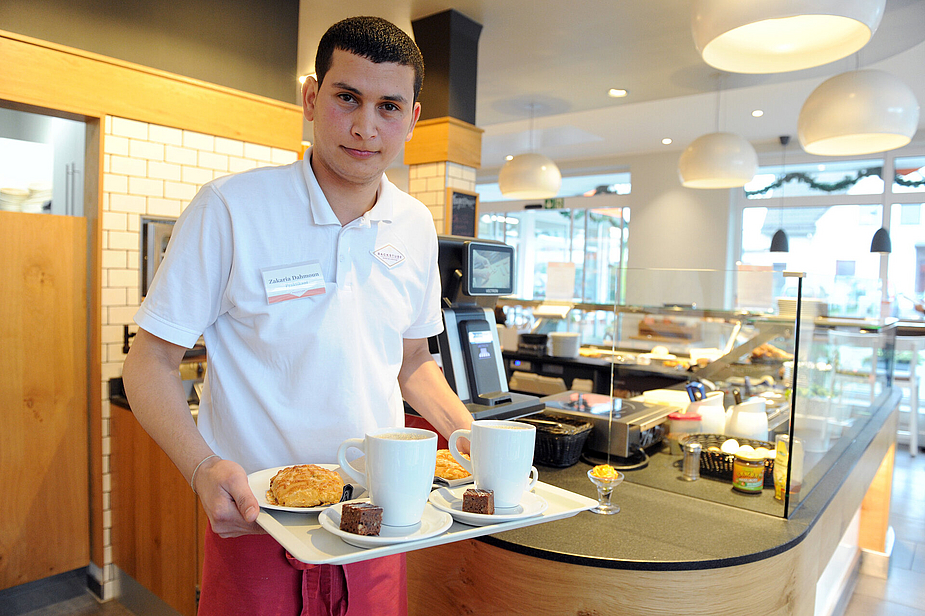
pixel 361 518
pixel 479 501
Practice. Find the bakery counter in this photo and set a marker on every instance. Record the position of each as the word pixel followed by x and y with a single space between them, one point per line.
pixel 630 378
pixel 671 553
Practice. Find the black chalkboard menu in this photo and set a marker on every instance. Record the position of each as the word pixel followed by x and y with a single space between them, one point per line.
pixel 462 211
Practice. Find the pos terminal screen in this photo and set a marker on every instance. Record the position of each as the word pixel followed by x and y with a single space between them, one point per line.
pixel 490 269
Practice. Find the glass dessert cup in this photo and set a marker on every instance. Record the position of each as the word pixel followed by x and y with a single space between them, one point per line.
pixel 605 486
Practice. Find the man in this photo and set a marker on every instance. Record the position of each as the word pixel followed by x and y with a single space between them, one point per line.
pixel 315 287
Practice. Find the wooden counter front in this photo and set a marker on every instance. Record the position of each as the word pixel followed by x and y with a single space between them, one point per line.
pixel 157 522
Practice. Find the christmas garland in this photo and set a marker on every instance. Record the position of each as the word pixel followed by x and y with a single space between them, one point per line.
pixel 836 186
pixel 908 183
pixel 807 179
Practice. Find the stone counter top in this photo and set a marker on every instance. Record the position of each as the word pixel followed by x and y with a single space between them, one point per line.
pixel 661 530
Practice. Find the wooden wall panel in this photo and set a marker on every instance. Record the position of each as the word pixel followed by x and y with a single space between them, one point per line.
pixel 43 401
pixel 445 140
pixel 57 77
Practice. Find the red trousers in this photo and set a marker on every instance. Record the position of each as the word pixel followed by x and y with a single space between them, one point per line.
pixel 254 576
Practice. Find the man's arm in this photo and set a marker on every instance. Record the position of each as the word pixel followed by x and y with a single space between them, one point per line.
pixel 153 387
pixel 424 387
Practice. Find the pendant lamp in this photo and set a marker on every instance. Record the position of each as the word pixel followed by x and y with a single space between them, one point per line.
pixel 530 176
pixel 859 112
pixel 776 36
pixel 881 242
pixel 780 242
pixel 718 160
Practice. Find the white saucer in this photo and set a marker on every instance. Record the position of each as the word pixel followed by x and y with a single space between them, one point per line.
pixel 260 482
pixel 450 500
pixel 433 523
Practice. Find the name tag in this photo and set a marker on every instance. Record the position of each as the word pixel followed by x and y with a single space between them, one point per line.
pixel 293 281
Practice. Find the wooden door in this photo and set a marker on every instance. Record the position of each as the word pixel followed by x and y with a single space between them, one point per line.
pixel 43 396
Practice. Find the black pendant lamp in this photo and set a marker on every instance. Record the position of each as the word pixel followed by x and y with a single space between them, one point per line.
pixel 780 242
pixel 881 242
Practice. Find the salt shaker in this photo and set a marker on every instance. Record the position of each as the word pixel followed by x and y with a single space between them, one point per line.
pixel 691 463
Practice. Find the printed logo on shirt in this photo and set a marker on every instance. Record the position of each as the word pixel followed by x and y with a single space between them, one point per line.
pixel 388 255
pixel 293 281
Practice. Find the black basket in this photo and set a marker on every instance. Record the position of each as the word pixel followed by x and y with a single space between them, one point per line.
pixel 559 438
pixel 718 465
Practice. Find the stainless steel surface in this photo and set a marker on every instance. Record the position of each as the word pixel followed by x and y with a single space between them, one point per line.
pixel 620 427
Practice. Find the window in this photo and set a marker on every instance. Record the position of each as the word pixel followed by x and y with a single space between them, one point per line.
pixel 826 240
pixel 907 261
pixel 578 186
pixel 854 177
pixel 910 174
pixel 593 239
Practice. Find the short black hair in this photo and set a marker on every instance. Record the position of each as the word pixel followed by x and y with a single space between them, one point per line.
pixel 372 38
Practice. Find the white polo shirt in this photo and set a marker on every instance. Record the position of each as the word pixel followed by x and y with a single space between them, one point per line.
pixel 293 368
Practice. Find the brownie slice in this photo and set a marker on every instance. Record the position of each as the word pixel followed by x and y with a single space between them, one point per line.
pixel 361 518
pixel 479 501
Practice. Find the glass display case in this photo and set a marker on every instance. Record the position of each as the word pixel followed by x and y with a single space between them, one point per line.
pixel 820 377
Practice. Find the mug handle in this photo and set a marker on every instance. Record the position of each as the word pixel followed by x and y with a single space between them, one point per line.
pixel 466 464
pixel 536 475
pixel 354 474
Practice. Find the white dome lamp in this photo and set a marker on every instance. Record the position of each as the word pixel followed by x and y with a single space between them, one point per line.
pixel 859 112
pixel 776 36
pixel 530 176
pixel 718 160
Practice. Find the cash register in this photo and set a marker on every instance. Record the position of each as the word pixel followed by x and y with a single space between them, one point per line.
pixel 473 274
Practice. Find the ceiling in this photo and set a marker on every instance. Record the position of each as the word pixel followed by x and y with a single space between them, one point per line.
pixel 562 57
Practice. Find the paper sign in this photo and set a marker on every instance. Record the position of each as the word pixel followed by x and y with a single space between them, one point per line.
pixel 560 281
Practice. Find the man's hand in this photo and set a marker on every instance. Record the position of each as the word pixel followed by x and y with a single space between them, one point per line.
pixel 227 498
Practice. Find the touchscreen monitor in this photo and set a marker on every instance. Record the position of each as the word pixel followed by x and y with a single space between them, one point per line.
pixel 489 269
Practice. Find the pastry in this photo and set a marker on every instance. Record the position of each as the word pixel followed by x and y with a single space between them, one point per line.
pixel 361 518
pixel 479 501
pixel 448 467
pixel 305 485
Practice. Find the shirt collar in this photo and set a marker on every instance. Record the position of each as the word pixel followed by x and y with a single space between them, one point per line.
pixel 323 214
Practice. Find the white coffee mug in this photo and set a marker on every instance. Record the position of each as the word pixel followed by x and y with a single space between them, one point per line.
pixel 399 473
pixel 501 455
pixel 711 411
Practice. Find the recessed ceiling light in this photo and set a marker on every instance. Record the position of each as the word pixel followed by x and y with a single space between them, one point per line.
pixel 616 93
pixel 757 113
pixel 666 141
pixel 509 157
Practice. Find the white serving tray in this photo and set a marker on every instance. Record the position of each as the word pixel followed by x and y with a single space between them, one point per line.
pixel 304 538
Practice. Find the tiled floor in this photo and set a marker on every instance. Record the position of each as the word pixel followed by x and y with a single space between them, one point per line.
pixel 60 595
pixel 902 594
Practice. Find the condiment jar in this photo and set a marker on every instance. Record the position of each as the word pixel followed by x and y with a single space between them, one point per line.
pixel 748 473
pixel 679 426
pixel 691 464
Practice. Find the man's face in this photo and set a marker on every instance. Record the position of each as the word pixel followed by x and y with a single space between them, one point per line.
pixel 363 113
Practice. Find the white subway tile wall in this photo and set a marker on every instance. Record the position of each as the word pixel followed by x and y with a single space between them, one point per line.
pixel 429 181
pixel 149 170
